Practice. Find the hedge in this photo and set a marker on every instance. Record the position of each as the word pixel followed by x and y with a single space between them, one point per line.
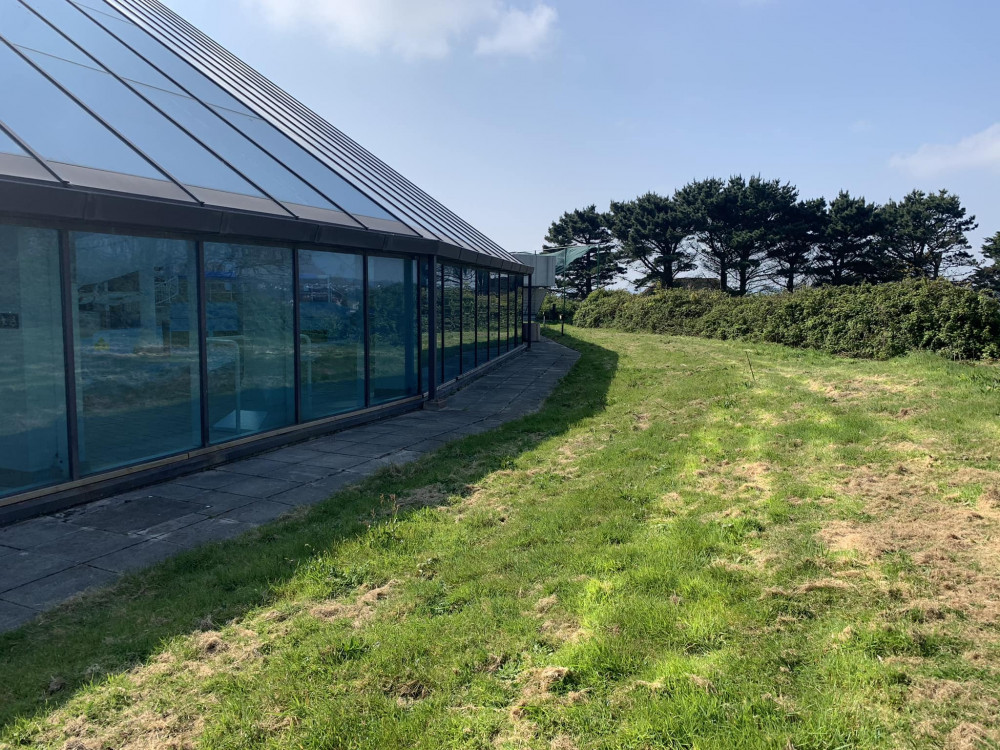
pixel 875 322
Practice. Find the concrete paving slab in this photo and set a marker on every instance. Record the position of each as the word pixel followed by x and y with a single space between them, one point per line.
pixel 25 567
pixel 305 495
pixel 174 491
pixel 254 467
pixel 86 544
pixel 209 530
pixel 28 534
pixel 59 587
pixel 258 513
pixel 259 487
pixel 217 502
pixel 135 558
pixel 174 524
pixel 14 615
pixel 207 480
pixel 133 516
pixel 337 461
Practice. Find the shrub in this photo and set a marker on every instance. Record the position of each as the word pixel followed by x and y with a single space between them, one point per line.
pixel 553 306
pixel 876 322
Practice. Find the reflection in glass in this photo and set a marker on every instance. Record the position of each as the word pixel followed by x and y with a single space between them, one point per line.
pixel 332 340
pixel 504 314
pixel 392 328
pixel 483 314
pixel 468 319
pixel 251 355
pixel 136 343
pixel 451 348
pixel 425 336
pixel 33 449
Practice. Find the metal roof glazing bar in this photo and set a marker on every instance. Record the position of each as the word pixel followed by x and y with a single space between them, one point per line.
pixel 26 147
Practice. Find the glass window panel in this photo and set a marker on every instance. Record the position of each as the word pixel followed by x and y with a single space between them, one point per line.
pixel 468 319
pixel 235 148
pixel 251 352
pixel 392 326
pixel 483 315
pixel 149 130
pixel 136 343
pixel 9 146
pixel 169 62
pixel 439 280
pixel 305 164
pixel 24 28
pixel 332 325
pixel 516 310
pixel 425 337
pixel 99 43
pixel 59 129
pixel 102 8
pixel 504 313
pixel 33 437
pixel 495 340
pixel 452 348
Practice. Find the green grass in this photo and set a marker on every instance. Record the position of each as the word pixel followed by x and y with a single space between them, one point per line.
pixel 644 564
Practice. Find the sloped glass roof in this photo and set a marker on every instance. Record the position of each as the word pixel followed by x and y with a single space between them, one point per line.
pixel 124 95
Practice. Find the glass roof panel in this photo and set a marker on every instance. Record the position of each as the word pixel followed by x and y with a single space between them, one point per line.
pixel 161 140
pixel 24 28
pixel 99 43
pixel 235 148
pixel 345 195
pixel 167 61
pixel 101 7
pixel 9 146
pixel 58 128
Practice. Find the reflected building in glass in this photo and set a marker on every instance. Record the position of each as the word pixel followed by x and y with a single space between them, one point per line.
pixel 194 266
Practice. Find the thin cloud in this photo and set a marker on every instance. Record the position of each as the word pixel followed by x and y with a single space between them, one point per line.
pixel 428 29
pixel 979 151
pixel 520 33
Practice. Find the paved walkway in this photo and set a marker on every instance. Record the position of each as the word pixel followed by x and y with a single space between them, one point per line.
pixel 47 560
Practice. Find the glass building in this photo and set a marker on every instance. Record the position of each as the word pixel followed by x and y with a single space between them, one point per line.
pixel 195 266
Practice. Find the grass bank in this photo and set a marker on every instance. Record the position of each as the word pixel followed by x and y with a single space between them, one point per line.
pixel 678 552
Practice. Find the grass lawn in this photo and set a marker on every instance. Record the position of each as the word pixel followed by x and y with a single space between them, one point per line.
pixel 675 553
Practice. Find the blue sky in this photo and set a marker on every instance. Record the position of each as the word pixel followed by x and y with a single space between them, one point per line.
pixel 511 112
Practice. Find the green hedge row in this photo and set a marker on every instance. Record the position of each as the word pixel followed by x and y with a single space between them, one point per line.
pixel 877 322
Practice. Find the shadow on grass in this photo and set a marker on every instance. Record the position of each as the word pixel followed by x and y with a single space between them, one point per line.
pixel 43 664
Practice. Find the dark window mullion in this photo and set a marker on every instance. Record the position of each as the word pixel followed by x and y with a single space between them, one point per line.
pixel 69 353
pixel 202 291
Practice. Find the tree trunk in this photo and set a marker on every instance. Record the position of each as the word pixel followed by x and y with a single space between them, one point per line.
pixel 790 282
pixel 744 282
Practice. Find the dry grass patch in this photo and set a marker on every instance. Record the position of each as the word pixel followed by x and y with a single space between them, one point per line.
pixel 361 612
pixel 957 548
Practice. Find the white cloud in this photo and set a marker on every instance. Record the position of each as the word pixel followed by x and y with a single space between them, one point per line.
pixel 519 32
pixel 417 28
pixel 979 151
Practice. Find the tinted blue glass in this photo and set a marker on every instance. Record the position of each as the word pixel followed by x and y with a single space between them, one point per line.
pixel 97 42
pixel 33 437
pixel 142 125
pixel 246 156
pixel 332 325
pixel 136 342
pixel 504 313
pixel 451 350
pixel 468 319
pixel 24 28
pixel 483 315
pixel 251 354
pixel 167 61
pixel 56 127
pixel 495 329
pixel 425 321
pixel 9 146
pixel 328 182
pixel 103 8
pixel 392 323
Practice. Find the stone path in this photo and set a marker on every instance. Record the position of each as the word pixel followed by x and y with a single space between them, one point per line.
pixel 47 560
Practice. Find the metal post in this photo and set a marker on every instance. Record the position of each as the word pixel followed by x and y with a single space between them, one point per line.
pixel 367 330
pixel 432 349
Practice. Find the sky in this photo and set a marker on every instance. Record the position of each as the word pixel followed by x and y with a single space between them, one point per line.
pixel 511 112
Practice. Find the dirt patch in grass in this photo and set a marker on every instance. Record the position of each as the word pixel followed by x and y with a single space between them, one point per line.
pixel 862 387
pixel 360 612
pixel 954 546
